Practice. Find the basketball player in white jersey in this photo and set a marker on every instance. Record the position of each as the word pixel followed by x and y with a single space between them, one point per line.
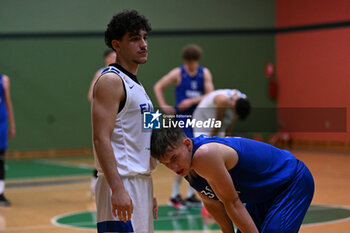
pixel 124 192
pixel 225 105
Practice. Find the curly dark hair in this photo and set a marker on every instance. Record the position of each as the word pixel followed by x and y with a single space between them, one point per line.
pixel 124 22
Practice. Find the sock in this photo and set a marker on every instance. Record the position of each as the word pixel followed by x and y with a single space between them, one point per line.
pixel 2 186
pixel 190 191
pixel 176 187
pixel 93 183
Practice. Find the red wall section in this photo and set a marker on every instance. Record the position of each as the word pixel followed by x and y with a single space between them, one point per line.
pixel 313 67
pixel 306 12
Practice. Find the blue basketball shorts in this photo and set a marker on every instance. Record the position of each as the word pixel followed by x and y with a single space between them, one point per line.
pixel 3 134
pixel 285 212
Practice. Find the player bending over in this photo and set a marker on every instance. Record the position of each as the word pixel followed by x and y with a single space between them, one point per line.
pixel 276 187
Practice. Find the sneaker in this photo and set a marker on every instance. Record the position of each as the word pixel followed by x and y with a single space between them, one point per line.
pixel 177 202
pixel 4 201
pixel 193 201
pixel 204 212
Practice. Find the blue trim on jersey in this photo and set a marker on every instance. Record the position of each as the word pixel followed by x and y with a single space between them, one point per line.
pixel 114 226
pixel 110 68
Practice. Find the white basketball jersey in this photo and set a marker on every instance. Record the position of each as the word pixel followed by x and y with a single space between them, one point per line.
pixel 206 110
pixel 130 142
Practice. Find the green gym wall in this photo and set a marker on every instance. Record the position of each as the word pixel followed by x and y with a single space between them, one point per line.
pixel 51 50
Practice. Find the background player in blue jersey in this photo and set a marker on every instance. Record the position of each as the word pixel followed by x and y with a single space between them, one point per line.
pixel 276 187
pixel 7 129
pixel 192 82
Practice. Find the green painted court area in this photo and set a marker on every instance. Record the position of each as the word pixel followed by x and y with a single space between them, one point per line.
pixel 171 219
pixel 45 167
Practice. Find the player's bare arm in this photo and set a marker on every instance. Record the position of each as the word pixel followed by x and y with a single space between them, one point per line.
pixel 221 102
pixel 232 125
pixel 229 129
pixel 218 212
pixel 97 74
pixel 208 81
pixel 108 93
pixel 8 103
pixel 220 180
pixel 172 78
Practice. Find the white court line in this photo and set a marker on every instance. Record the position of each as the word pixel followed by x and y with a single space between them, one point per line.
pixel 55 223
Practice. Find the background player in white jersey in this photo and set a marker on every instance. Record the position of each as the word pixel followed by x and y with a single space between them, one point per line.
pixel 225 105
pixel 109 57
pixel 124 194
pixel 192 81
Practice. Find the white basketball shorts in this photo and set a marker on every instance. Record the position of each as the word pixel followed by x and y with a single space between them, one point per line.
pixel 140 189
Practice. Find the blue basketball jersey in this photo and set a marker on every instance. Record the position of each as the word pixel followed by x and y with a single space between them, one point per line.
pixel 3 110
pixel 261 172
pixel 3 116
pixel 190 87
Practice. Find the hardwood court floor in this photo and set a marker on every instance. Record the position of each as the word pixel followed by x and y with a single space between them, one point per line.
pixel 37 200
